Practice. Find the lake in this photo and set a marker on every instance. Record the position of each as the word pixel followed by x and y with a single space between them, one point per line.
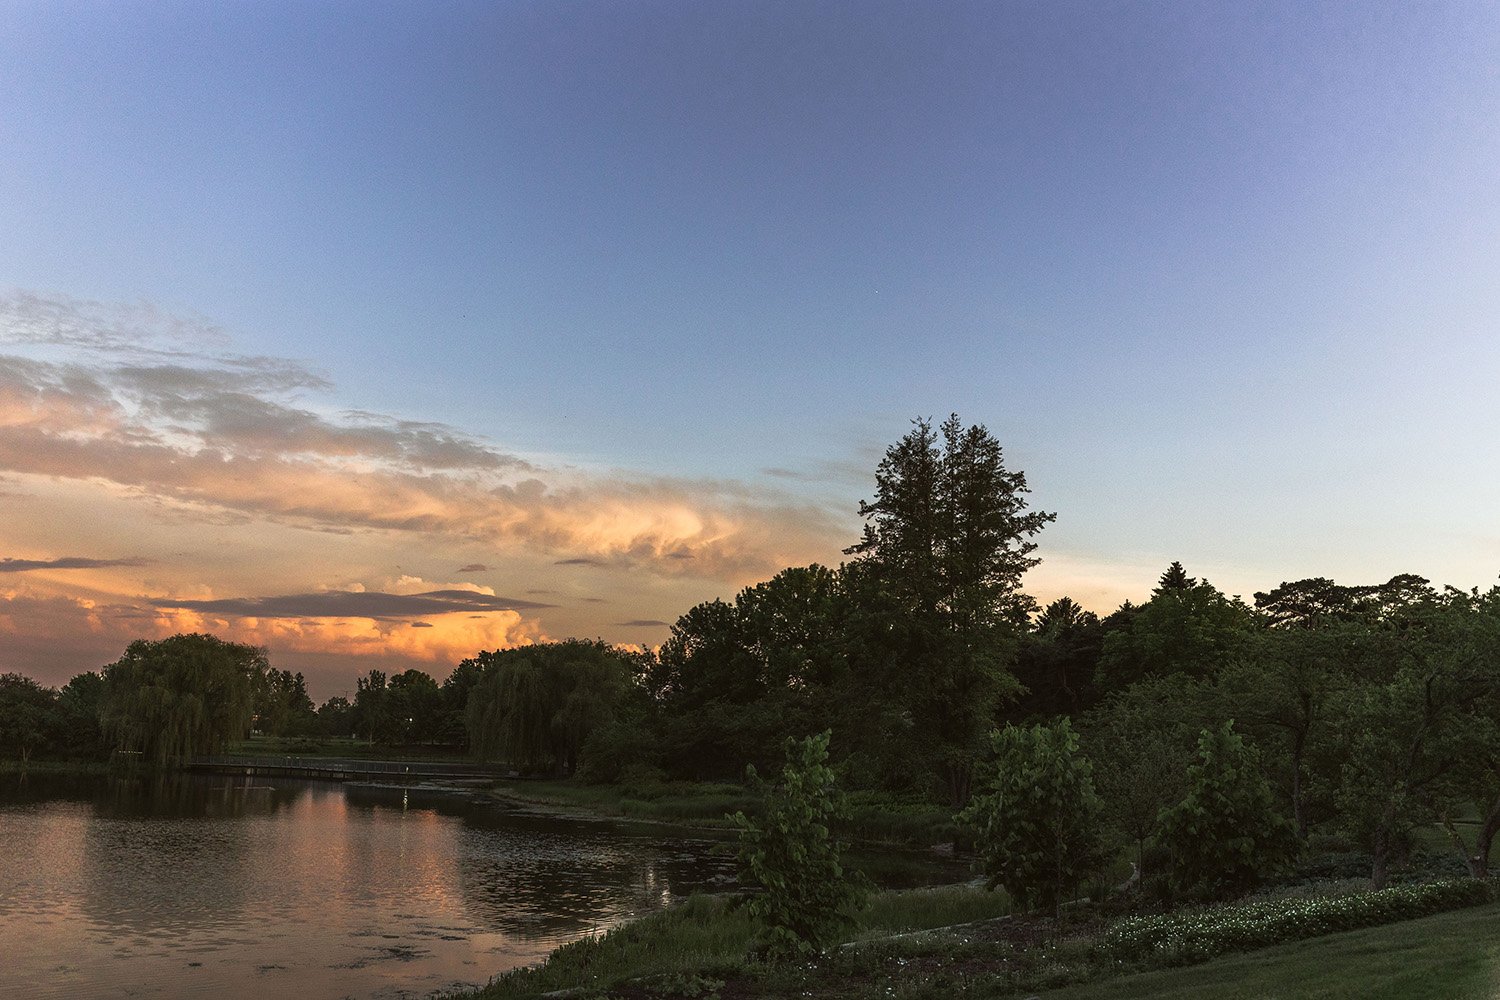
pixel 213 886
pixel 201 885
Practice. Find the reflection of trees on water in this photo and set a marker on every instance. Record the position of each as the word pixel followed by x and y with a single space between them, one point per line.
pixel 536 877
pixel 173 853
pixel 194 796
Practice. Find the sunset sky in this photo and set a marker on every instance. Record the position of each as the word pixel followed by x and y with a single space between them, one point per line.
pixel 383 333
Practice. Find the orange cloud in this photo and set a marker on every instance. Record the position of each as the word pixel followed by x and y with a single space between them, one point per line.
pixel 223 435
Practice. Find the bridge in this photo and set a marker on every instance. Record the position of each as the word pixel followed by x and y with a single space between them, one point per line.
pixel 344 768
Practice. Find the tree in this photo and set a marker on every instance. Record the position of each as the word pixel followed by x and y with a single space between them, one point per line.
pixel 336 717
pixel 282 705
pixel 804 894
pixel 1188 627
pixel 733 681
pixel 177 697
pixel 372 712
pixel 1417 718
pixel 1281 687
pixel 1225 834
pixel 79 702
pixel 1057 661
pixel 1036 816
pixel 536 706
pixel 29 716
pixel 414 707
pixel 948 537
pixel 1141 741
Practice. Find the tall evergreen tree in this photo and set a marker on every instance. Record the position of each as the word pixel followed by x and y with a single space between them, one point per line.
pixel 948 537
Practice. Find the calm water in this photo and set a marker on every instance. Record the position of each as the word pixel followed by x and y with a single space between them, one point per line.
pixel 212 886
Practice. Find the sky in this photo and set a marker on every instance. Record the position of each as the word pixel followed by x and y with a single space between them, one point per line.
pixel 383 333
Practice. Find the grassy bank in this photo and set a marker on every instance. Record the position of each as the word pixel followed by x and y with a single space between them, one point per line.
pixel 958 942
pixel 874 818
pixel 342 746
pixel 707 938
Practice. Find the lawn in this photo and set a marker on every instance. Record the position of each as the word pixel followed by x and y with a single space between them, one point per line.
pixel 1450 956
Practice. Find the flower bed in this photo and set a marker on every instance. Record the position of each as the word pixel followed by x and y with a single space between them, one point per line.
pixel 1196 935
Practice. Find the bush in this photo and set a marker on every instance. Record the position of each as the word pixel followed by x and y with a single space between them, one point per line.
pixel 1226 833
pixel 805 893
pixel 1037 818
pixel 1200 934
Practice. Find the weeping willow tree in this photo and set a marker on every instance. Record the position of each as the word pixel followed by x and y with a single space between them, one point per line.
pixel 536 706
pixel 177 697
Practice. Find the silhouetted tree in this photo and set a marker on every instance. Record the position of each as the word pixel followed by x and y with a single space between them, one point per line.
pixel 176 697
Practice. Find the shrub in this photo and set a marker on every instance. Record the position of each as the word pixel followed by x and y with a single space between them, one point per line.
pixel 1037 819
pixel 1226 833
pixel 805 894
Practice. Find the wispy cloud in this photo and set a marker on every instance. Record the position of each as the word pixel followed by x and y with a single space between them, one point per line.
pixel 66 562
pixel 230 435
pixel 473 568
pixel 643 623
pixel 352 604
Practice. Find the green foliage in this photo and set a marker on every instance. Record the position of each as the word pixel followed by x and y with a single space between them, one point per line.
pixel 698 939
pixel 177 697
pixel 1057 660
pixel 946 541
pixel 1188 627
pixel 29 716
pixel 790 856
pixel 1226 833
pixel 1194 935
pixel 1141 741
pixel 282 706
pixel 1037 817
pixel 537 706
pixel 336 717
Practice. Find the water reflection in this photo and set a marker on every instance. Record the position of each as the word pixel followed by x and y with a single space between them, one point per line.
pixel 209 885
pixel 213 886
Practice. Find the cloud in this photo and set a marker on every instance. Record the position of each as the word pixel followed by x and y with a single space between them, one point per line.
pixel 642 623
pixel 66 562
pixel 421 624
pixel 221 436
pixel 473 568
pixel 351 604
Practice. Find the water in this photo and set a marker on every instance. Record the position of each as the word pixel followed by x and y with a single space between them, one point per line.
pixel 211 886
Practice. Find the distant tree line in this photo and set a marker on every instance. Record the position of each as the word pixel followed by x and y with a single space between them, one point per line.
pixel 1210 738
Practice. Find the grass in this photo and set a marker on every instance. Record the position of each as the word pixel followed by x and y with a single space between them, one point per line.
pixel 1450 956
pixel 696 803
pixel 706 946
pixel 708 937
pixel 874 818
pixel 701 936
pixel 923 909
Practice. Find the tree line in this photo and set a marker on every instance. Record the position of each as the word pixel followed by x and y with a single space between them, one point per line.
pixel 1364 713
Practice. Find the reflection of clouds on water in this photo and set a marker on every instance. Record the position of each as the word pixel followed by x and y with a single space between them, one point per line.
pixel 215 886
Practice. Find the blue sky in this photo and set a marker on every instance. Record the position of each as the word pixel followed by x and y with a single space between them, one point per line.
pixel 1221 278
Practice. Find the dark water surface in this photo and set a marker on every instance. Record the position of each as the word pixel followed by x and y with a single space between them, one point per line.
pixel 231 887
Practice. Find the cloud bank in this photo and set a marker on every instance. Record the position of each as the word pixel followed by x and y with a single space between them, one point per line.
pixel 124 397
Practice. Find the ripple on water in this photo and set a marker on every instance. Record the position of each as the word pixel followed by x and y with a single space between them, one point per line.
pixel 196 889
